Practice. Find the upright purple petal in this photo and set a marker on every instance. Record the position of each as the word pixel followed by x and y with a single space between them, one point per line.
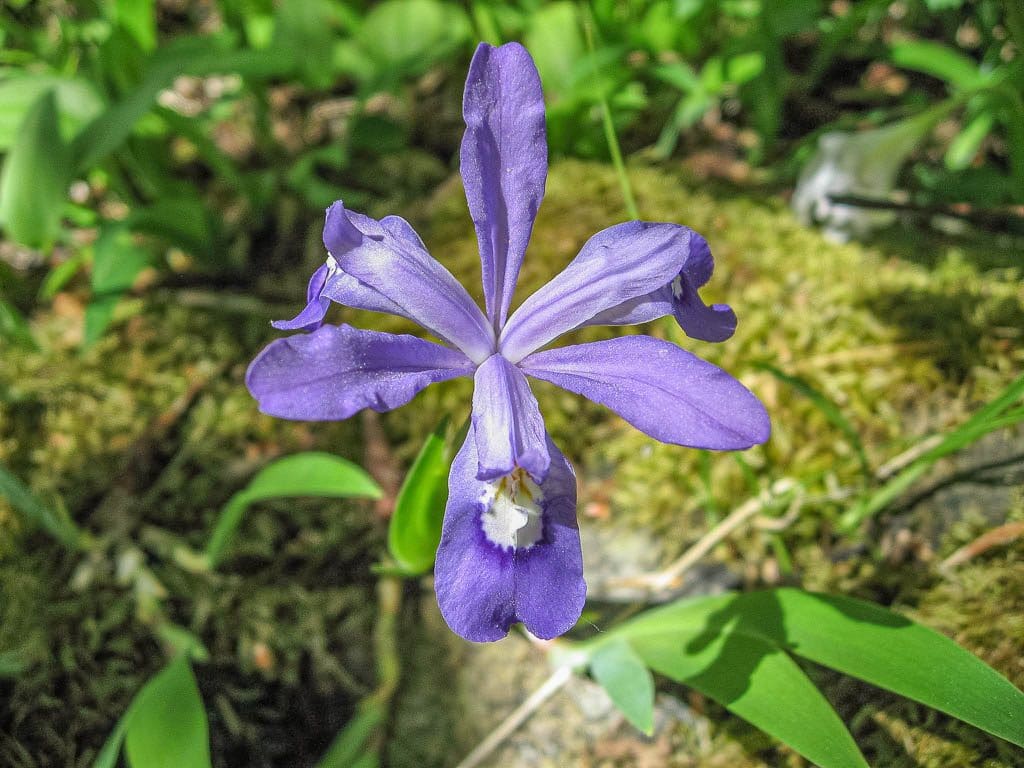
pixel 673 396
pixel 615 265
pixel 504 161
pixel 484 587
pixel 680 299
pixel 389 257
pixel 337 370
pixel 507 422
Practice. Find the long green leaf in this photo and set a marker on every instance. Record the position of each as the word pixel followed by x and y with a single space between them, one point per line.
pixel 167 727
pixel 35 177
pixel 38 514
pixel 347 748
pixel 415 528
pixel 874 644
pixel 303 474
pixel 991 417
pixel 756 680
pixel 623 674
pixel 14 327
pixel 937 60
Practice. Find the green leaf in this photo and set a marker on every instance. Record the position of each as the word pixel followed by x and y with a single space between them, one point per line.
pixel 884 648
pixel 754 679
pixel 14 327
pixel 994 415
pixel 415 528
pixel 303 474
pixel 35 513
pixel 828 409
pixel 117 261
pixel 138 18
pixel 167 727
pixel 77 102
pixel 622 673
pixel 35 177
pixel 555 40
pixel 937 60
pixel 406 37
pixel 347 748
pixel 188 55
pixel 965 146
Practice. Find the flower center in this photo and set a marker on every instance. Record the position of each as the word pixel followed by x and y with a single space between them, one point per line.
pixel 512 517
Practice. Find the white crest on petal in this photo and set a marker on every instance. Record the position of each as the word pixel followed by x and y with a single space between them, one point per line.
pixel 512 516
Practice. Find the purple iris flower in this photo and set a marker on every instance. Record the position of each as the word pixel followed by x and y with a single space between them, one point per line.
pixel 510 546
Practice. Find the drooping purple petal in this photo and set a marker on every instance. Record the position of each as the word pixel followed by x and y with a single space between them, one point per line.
pixel 329 284
pixel 483 588
pixel 389 257
pixel 615 265
pixel 680 299
pixel 312 315
pixel 507 422
pixel 504 164
pixel 660 389
pixel 337 370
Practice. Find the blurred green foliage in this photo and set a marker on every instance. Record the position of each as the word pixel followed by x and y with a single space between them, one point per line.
pixel 143 134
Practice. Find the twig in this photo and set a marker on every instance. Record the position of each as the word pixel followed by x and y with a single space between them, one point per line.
pixel 908 457
pixel 520 715
pixel 1004 534
pixel 670 578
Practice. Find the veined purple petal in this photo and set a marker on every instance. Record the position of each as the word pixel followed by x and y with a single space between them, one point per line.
pixel 507 422
pixel 504 161
pixel 680 299
pixel 615 265
pixel 484 587
pixel 337 370
pixel 389 257
pixel 660 389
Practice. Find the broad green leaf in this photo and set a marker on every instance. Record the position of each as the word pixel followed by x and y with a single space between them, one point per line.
pixel 303 474
pixel 753 678
pixel 347 748
pixel 937 60
pixel 167 727
pixel 828 409
pixel 35 177
pixel 77 102
pixel 304 30
pixel 877 645
pixel 965 146
pixel 138 18
pixel 622 673
pixel 744 67
pixel 182 221
pixel 406 37
pixel 35 513
pixel 415 528
pixel 555 40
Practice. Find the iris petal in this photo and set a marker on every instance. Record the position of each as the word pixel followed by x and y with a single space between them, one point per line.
pixel 335 371
pixel 508 425
pixel 483 589
pixel 615 265
pixel 388 257
pixel 504 164
pixel 680 299
pixel 660 389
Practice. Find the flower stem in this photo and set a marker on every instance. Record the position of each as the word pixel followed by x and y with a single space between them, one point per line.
pixel 609 128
